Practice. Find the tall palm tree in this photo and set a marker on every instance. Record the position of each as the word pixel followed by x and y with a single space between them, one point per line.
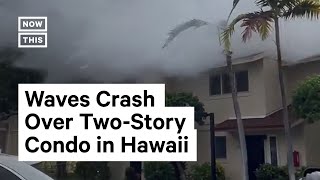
pixel 261 22
pixel 198 23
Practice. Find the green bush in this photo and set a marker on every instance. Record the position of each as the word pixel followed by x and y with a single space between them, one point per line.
pixel 159 171
pixel 186 99
pixel 92 170
pixel 271 172
pixel 203 172
pixel 299 172
pixel 306 99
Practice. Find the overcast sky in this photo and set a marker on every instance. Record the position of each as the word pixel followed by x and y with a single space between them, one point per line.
pixel 109 39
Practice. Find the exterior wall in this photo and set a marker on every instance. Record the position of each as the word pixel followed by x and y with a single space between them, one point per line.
pixel 271 84
pixel 312 135
pixel 298 139
pixel 295 75
pixel 233 158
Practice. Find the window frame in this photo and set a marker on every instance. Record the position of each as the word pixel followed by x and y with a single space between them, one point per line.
pixel 221 75
pixel 211 84
pixel 277 149
pixel 12 171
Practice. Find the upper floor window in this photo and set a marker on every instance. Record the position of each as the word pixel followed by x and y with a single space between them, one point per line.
pixel 220 83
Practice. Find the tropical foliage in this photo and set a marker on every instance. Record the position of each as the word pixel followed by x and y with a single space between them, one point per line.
pixel 159 171
pixel 203 172
pixel 186 99
pixel 269 172
pixel 93 170
pixel 260 21
pixel 306 99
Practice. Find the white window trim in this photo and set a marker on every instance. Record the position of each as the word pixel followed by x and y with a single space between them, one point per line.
pixel 221 84
pixel 267 149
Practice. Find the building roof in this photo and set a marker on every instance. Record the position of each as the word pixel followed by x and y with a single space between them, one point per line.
pixel 303 61
pixel 271 121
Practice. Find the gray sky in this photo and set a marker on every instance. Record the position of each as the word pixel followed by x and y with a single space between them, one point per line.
pixel 110 39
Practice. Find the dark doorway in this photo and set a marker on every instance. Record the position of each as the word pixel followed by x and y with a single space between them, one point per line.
pixel 255 148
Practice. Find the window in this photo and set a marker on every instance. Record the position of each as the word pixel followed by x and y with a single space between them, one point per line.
pixel 220 84
pixel 215 85
pixel 242 81
pixel 221 147
pixel 226 87
pixel 7 175
pixel 273 151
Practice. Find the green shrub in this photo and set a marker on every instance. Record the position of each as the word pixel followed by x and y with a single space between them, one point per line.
pixel 299 172
pixel 159 171
pixel 271 172
pixel 92 170
pixel 203 172
pixel 306 99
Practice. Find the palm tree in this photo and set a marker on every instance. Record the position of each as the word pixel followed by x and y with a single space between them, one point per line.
pixel 260 22
pixel 198 23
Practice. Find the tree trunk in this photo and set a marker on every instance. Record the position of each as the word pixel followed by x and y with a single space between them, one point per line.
pixel 237 111
pixel 284 105
pixel 182 175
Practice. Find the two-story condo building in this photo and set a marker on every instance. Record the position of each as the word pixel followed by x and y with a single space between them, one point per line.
pixel 260 103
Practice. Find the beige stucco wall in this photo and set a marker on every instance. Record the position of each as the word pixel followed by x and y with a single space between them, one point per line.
pixel 252 103
pixel 295 75
pixel 271 84
pixel 312 134
pixel 233 160
pixel 297 134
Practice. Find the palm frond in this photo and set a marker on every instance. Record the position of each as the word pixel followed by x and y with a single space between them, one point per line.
pixel 229 30
pixel 182 27
pixel 262 3
pixel 234 5
pixel 286 5
pixel 304 8
pixel 265 28
pixel 256 22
